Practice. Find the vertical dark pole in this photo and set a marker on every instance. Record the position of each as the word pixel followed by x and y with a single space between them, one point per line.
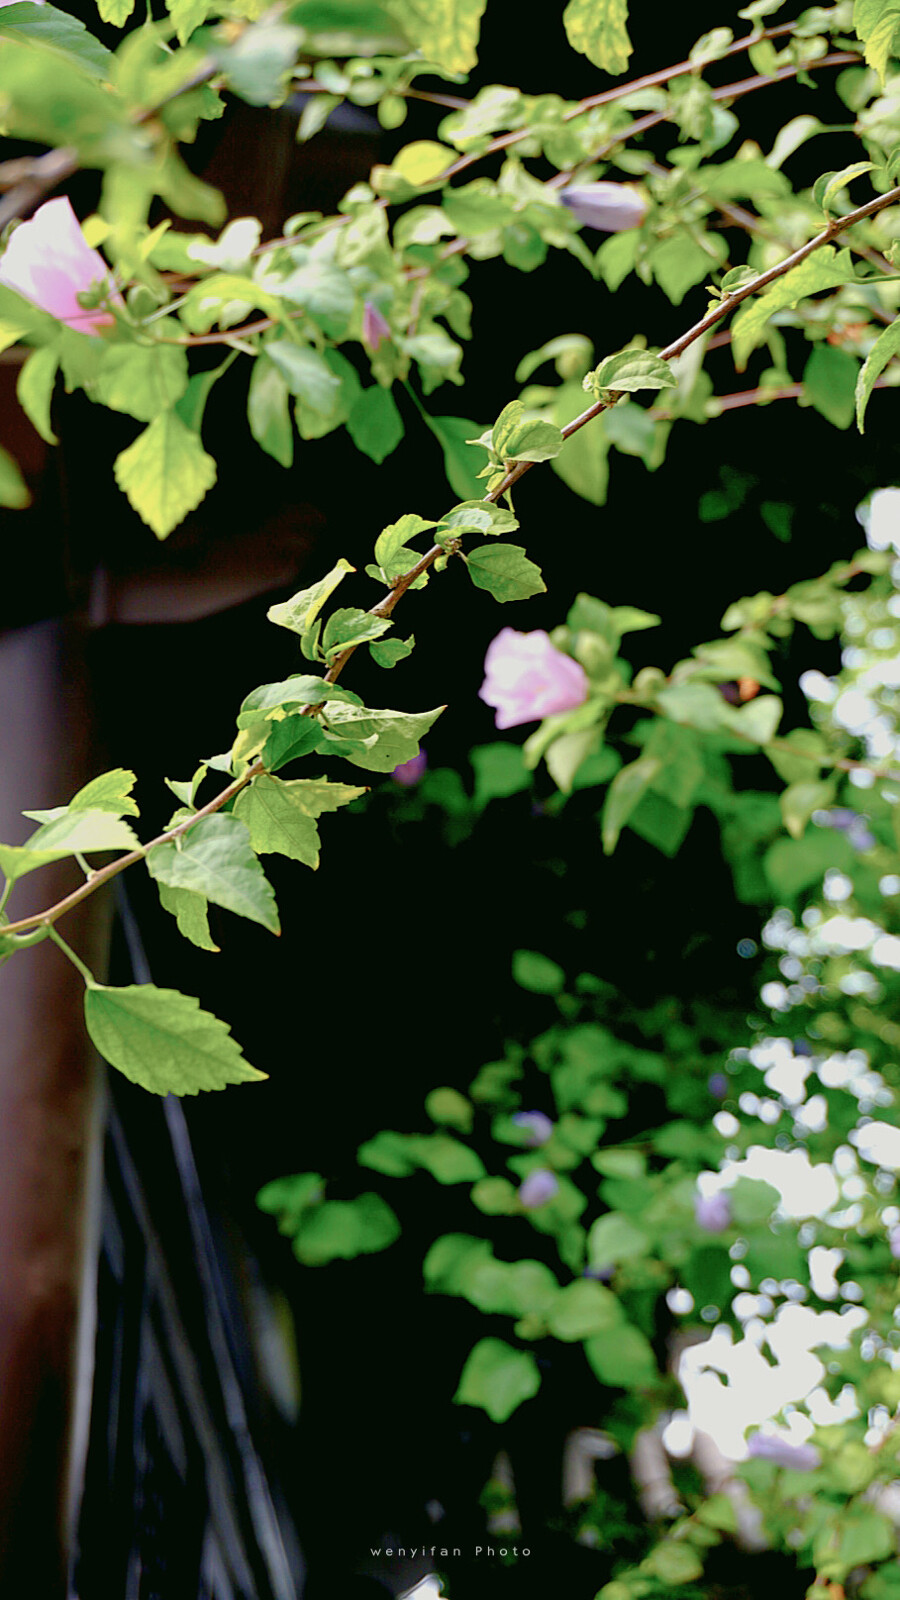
pixel 47 1088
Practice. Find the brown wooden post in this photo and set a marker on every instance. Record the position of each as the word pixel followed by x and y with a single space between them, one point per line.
pixel 47 1088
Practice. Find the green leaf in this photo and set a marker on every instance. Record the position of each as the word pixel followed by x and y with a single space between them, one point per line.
pixel 445 1158
pixel 303 689
pixel 34 390
pixel 462 462
pixel 215 858
pixel 477 516
pixel 300 612
pixel 281 814
pixel 499 772
pixel 597 29
pixel 829 381
pixel 81 831
pixel 306 373
pixel 629 371
pixel 584 1309
pixel 505 571
pixel 387 652
pixel 257 64
pixel 111 791
pixel 115 11
pixel 165 473
pixel 877 23
pixel 350 626
pixel 268 411
pixel 886 346
pixel 449 1108
pixel 162 1040
pixel 829 186
pixel 674 1563
pixel 826 269
pixel 45 25
pixel 537 973
pixel 444 31
pixel 141 380
pixel 622 1358
pixel 14 491
pixel 391 737
pixel 392 550
pixel 614 1238
pixel 623 794
pixel 497 1379
pixel 375 424
pixel 342 1229
pixel 516 437
pixel 190 911
pixel 188 15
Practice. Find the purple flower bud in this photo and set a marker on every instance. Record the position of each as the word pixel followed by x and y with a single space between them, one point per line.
pixel 608 207
pixel 537 1123
pixel 854 826
pixel 769 1447
pixel 539 1187
pixel 802 1047
pixel 894 1243
pixel 526 678
pixel 411 772
pixel 599 1274
pixel 375 326
pixel 718 1085
pixel 712 1212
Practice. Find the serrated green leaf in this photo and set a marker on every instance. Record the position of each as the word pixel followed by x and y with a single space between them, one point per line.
pixel 387 652
pixel 516 437
pixel 268 411
pixel 306 373
pixel 190 911
pixel 34 390
pixel 631 370
pixel 115 11
pixel 162 1040
pixel 46 25
pixel 375 424
pixel 505 571
pixel 300 612
pixel 497 1379
pixel 623 794
pixel 350 626
pixel 280 814
pixel 477 516
pixel 111 791
pixel 597 29
pixel 301 690
pixel 216 859
pixel 165 473
pixel 829 186
pixel 141 380
pixel 462 461
pixel 884 349
pixel 826 269
pixel 445 31
pixel 391 737
pixel 81 831
pixel 829 381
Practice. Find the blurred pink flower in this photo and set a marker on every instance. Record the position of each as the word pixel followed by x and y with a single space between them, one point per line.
pixel 375 326
pixel 49 261
pixel 608 207
pixel 539 1187
pixel 712 1212
pixel 411 772
pixel 526 678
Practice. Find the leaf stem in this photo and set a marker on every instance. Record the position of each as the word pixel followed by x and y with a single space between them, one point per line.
pixel 76 961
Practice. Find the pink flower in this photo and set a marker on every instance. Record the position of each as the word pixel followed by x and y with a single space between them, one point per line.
pixel 712 1212
pixel 608 207
pixel 375 326
pixel 49 261
pixel 526 678
pixel 771 1447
